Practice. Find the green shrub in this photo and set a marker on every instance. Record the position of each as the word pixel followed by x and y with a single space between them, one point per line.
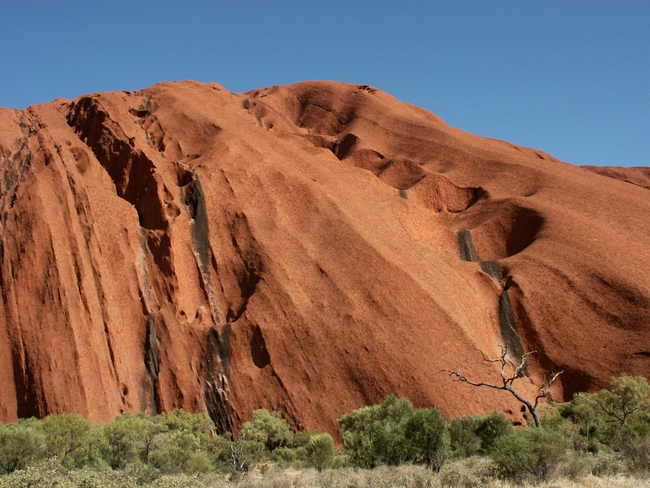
pixel 284 454
pixel 428 436
pixel 551 419
pixel 476 434
pixel 142 473
pixel 374 435
pixel 608 463
pixel 491 428
pixel 301 438
pixel 464 441
pixel 321 451
pixel 576 465
pixel 240 456
pixel 533 452
pixel 51 474
pixel 171 451
pixel 128 439
pixel 199 462
pixel 627 399
pixel 637 454
pixel 199 424
pixel 618 417
pixel 21 445
pixel 393 433
pixel 67 436
pixel 268 428
pixel 588 419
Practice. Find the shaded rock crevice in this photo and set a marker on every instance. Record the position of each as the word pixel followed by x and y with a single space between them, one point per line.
pixel 27 389
pixel 216 386
pixel 259 353
pixel 506 228
pixel 466 246
pixel 216 381
pixel 151 339
pixel 192 197
pixel 529 333
pixel 492 268
pixel 321 118
pixel 151 363
pixel 508 326
pixel 133 174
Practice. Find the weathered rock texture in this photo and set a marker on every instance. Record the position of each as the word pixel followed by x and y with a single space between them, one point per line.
pixel 299 248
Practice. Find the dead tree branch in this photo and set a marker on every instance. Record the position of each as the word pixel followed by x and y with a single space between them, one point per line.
pixel 510 373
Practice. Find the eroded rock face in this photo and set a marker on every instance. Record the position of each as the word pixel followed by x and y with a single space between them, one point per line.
pixel 298 248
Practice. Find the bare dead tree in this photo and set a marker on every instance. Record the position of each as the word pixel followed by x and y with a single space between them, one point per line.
pixel 240 456
pixel 509 374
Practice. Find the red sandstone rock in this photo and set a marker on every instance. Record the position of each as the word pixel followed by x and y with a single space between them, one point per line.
pixel 296 248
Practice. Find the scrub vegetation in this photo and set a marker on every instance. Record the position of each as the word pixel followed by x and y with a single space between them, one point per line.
pixel 600 439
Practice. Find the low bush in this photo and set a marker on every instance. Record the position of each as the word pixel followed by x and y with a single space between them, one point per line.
pixel 321 451
pixel 530 453
pixel 21 445
pixel 374 435
pixel 475 434
pixel 269 428
pixel 491 429
pixel 617 418
pixel 464 441
pixel 393 433
pixel 68 437
pixel 428 437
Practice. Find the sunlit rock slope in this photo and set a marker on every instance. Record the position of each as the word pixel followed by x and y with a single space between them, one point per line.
pixel 307 248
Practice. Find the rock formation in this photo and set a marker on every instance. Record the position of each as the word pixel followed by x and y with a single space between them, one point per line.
pixel 309 249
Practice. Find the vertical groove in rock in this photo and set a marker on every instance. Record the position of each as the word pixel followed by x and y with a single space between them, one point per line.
pixel 508 326
pixel 467 251
pixel 217 350
pixel 216 381
pixel 194 200
pixel 151 341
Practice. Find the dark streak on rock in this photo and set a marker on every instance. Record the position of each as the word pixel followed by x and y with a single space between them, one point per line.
pixel 508 326
pixel 467 251
pixel 493 268
pixel 216 382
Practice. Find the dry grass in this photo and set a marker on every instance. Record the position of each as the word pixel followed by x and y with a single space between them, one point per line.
pixel 408 477
pixel 469 473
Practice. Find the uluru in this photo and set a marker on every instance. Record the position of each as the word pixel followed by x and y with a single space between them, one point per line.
pixel 309 249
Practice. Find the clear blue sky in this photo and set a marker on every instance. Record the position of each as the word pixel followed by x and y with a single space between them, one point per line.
pixel 571 78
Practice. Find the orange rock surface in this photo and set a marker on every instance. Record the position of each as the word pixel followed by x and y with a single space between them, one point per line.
pixel 297 248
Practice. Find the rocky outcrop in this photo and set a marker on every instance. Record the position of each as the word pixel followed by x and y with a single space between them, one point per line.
pixel 302 248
